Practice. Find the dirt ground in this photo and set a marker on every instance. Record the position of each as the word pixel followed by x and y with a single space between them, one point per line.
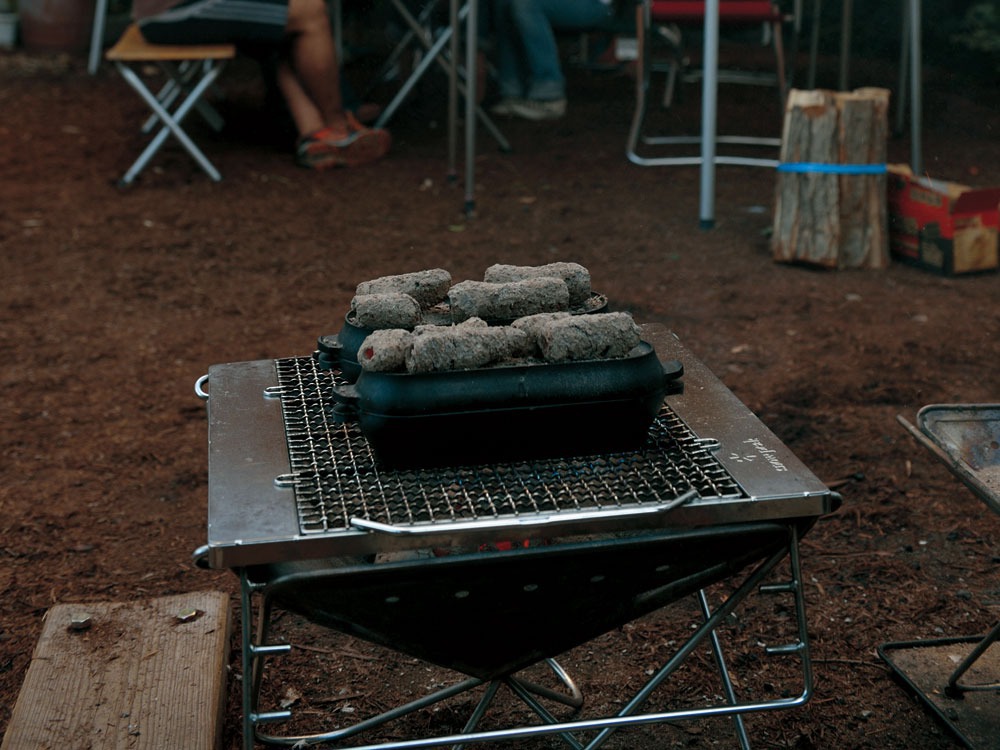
pixel 116 301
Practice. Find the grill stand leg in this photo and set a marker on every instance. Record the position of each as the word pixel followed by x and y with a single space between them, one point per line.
pixel 628 716
pixel 253 654
pixel 711 623
pixel 527 691
pixel 253 663
pixel 727 683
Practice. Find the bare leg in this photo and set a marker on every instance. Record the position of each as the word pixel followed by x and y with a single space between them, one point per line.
pixel 310 78
pixel 304 112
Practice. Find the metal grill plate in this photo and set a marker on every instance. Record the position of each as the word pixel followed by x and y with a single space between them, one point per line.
pixel 335 477
pixel 298 486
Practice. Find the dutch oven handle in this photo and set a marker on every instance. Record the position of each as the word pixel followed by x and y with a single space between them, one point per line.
pixel 672 371
pixel 200 557
pixel 346 408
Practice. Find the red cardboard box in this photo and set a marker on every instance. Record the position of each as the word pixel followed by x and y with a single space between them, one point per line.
pixel 942 226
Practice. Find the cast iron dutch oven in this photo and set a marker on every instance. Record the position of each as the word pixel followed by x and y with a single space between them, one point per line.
pixel 510 412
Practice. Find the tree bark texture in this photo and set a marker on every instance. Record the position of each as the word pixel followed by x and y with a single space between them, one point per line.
pixel 823 218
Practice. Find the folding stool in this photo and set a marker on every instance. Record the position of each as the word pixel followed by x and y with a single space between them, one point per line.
pixel 191 71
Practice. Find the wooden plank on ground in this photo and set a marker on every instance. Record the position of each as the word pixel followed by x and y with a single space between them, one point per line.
pixel 144 675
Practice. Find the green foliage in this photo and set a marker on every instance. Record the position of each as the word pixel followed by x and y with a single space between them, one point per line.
pixel 960 35
pixel 980 30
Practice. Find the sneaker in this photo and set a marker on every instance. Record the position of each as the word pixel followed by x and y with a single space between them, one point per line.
pixel 328 149
pixel 534 109
pixel 503 108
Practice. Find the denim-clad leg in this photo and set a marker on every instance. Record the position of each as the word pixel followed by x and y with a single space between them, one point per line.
pixel 527 56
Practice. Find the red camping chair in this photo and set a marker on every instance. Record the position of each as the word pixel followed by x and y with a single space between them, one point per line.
pixel 662 20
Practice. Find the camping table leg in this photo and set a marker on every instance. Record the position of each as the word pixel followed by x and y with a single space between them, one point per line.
pixel 97 36
pixel 466 86
pixel 916 87
pixel 471 45
pixel 709 97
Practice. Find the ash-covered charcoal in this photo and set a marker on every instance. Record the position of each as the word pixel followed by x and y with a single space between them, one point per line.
pixel 509 301
pixel 428 288
pixel 386 310
pixel 470 323
pixel 534 324
pixel 385 350
pixel 464 347
pixel 577 277
pixel 605 336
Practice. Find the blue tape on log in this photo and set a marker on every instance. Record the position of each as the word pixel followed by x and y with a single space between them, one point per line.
pixel 809 166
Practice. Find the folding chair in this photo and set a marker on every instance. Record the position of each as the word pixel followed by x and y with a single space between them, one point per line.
pixel 441 46
pixel 660 18
pixel 191 71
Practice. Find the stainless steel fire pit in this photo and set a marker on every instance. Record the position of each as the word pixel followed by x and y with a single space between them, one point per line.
pixel 568 547
pixel 958 678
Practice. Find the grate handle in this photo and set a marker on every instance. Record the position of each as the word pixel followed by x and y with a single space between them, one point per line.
pixel 199 387
pixel 536 520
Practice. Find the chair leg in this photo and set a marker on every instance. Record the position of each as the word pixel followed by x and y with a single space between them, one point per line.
pixel 779 55
pixel 171 121
pixel 179 79
pixel 385 72
pixel 641 82
pixel 97 36
pixel 435 54
pixel 636 137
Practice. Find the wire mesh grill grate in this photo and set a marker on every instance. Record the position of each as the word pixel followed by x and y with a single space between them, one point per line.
pixel 335 477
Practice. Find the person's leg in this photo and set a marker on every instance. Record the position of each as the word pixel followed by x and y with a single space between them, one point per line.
pixel 535 21
pixel 307 75
pixel 573 15
pixel 510 74
pixel 309 78
pixel 532 28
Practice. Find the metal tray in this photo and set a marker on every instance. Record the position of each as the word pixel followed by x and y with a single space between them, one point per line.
pixel 966 438
pixel 925 667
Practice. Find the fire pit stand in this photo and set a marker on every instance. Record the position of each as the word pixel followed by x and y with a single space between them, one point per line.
pixel 533 558
pixel 958 679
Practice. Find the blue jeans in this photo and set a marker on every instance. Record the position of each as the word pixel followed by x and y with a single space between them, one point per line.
pixel 527 58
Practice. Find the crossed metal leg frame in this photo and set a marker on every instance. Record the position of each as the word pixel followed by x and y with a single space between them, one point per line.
pixel 763 577
pixel 441 47
pixel 187 83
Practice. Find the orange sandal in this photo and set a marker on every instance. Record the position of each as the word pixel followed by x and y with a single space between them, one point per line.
pixel 329 149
